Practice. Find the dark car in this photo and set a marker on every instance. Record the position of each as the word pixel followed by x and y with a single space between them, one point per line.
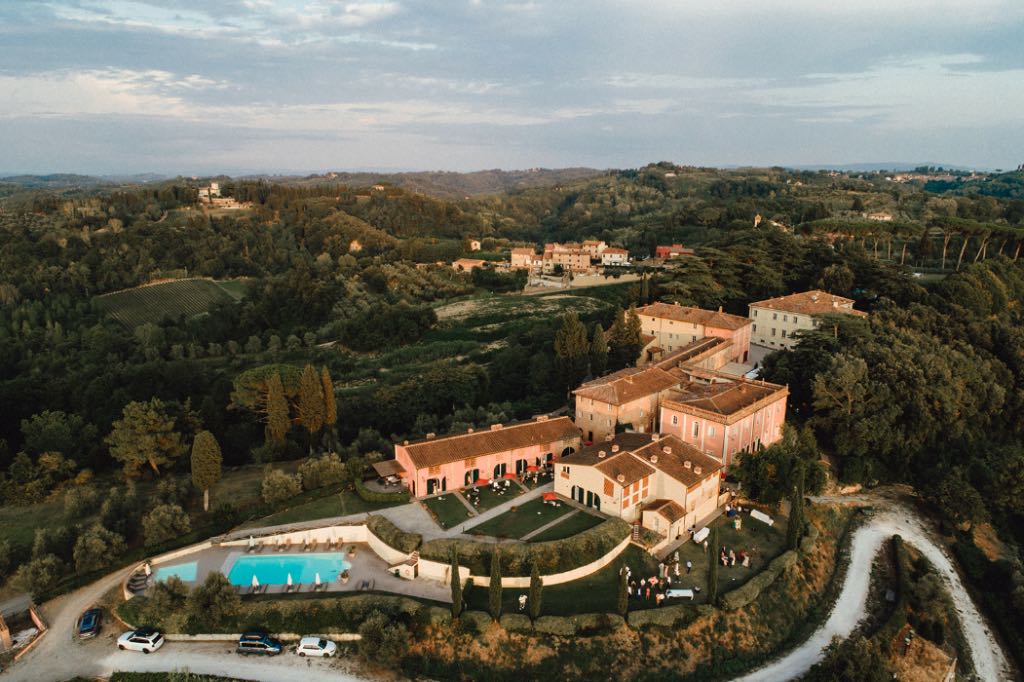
pixel 259 643
pixel 90 623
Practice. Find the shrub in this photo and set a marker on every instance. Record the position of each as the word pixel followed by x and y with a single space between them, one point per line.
pixel 383 640
pixel 438 616
pixel 749 591
pixel 214 600
pixel 516 622
pixel 96 547
pixel 56 540
pixel 555 625
pixel 597 623
pixel 120 510
pixel 279 486
pixel 393 537
pixel 367 495
pixel 173 490
pixel 164 599
pixel 475 622
pixel 39 574
pixel 552 557
pixel 666 616
pixel 318 472
pixel 165 522
pixel 80 501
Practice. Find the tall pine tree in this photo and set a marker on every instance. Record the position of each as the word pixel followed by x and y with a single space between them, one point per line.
pixel 311 402
pixel 456 582
pixel 795 530
pixel 622 600
pixel 536 591
pixel 572 352
pixel 206 464
pixel 598 351
pixel 625 340
pixel 713 566
pixel 330 405
pixel 278 420
pixel 494 589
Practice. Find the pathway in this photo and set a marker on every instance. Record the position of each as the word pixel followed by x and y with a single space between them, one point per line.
pixel 549 524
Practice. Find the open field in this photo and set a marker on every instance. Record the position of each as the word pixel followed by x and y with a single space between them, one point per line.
pixel 528 517
pixel 155 302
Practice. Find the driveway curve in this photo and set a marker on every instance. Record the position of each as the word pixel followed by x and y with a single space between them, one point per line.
pixel 895 519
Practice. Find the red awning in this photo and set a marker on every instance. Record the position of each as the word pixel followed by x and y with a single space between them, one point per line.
pixel 533 468
pixel 550 497
pixel 482 481
pixel 510 477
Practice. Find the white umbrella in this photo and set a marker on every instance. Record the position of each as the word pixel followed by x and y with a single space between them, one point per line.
pixel 252 542
pixel 317 578
pixel 289 579
pixel 255 581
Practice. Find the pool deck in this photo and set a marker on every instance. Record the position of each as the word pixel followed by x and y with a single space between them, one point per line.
pixel 366 566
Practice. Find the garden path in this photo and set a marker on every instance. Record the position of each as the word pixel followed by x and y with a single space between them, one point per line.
pixel 495 511
pixel 553 522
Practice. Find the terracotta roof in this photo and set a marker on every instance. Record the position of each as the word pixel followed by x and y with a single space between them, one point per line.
pixel 725 398
pixel 469 263
pixel 589 455
pixel 627 385
pixel 707 318
pixel 624 469
pixel 438 451
pixel 691 351
pixel 673 463
pixel 815 302
pixel 611 249
pixel 389 467
pixel 669 510
pixel 523 251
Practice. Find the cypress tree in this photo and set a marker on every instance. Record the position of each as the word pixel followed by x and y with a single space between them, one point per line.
pixel 572 351
pixel 456 585
pixel 536 589
pixel 206 464
pixel 330 406
pixel 311 400
pixel 494 589
pixel 278 421
pixel 598 351
pixel 795 530
pixel 713 566
pixel 622 603
pixel 625 340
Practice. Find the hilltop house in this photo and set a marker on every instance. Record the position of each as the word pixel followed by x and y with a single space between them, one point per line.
pixel 776 320
pixel 474 244
pixel 673 326
pixel 571 257
pixel 657 480
pixel 721 415
pixel 436 464
pixel 613 256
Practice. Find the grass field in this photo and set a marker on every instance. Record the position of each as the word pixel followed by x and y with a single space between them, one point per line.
pixel 528 517
pixel 447 509
pixel 339 504
pixel 577 523
pixel 155 302
pixel 490 499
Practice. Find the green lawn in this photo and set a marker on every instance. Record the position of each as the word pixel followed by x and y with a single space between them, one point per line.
pixel 577 523
pixel 447 509
pixel 761 542
pixel 528 517
pixel 335 504
pixel 597 593
pixel 490 499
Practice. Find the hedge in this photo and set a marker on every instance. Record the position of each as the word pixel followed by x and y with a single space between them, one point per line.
pixel 315 613
pixel 665 616
pixel 750 590
pixel 555 625
pixel 516 622
pixel 392 536
pixel 597 623
pixel 476 621
pixel 556 556
pixel 367 495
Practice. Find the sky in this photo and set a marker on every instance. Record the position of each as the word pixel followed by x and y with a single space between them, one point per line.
pixel 294 86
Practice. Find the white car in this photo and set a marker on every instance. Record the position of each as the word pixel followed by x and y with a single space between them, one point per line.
pixel 146 640
pixel 314 646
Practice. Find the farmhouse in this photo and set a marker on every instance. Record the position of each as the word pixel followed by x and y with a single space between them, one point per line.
pixel 657 480
pixel 467 264
pixel 721 416
pixel 522 258
pixel 437 464
pixel 674 326
pixel 613 256
pixel 571 257
pixel 777 320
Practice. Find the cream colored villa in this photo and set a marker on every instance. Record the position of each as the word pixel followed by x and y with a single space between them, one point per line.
pixel 657 480
pixel 674 326
pixel 777 320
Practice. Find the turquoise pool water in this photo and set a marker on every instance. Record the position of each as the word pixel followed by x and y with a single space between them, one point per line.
pixel 274 569
pixel 186 572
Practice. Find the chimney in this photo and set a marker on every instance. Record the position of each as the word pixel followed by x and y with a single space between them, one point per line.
pixel 654 459
pixel 609 438
pixel 654 438
pixel 431 435
pixel 495 427
pixel 696 470
pixel 405 442
pixel 620 478
pixel 835 304
pixel 615 448
pixel 667 450
pixel 719 308
pixel 687 464
pixel 469 430
pixel 601 454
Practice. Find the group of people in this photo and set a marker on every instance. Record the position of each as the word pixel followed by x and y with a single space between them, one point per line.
pixel 729 557
pixel 655 586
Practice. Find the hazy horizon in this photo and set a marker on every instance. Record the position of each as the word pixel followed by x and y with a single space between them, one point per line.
pixel 304 86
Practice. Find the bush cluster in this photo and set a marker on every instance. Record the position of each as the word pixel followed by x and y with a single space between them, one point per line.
pixel 317 472
pixel 392 536
pixel 552 557
pixel 367 495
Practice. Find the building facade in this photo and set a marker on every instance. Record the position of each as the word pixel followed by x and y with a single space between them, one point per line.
pixel 613 256
pixel 522 258
pixel 674 326
pixel 434 464
pixel 776 321
pixel 672 251
pixel 722 417
pixel 657 480
pixel 594 248
pixel 630 398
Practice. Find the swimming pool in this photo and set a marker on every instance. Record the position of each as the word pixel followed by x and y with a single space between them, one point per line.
pixel 274 569
pixel 186 572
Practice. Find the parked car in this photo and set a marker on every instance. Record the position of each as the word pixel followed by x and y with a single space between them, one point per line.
pixel 90 623
pixel 146 640
pixel 259 643
pixel 314 646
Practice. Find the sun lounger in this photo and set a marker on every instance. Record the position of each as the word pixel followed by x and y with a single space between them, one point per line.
pixel 282 546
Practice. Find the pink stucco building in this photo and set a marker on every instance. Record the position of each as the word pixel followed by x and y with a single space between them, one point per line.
pixel 455 461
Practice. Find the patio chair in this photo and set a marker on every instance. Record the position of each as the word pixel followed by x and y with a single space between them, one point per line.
pixel 282 546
